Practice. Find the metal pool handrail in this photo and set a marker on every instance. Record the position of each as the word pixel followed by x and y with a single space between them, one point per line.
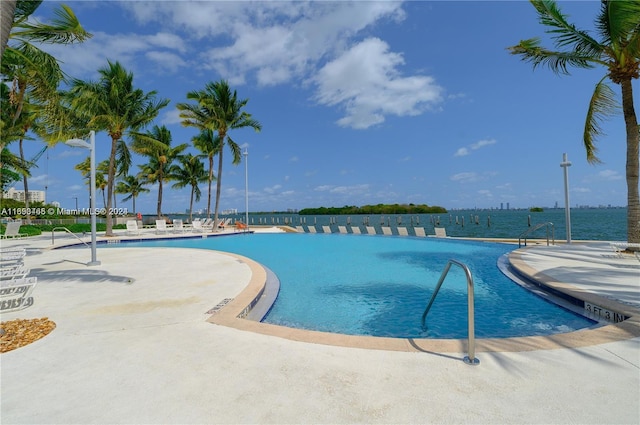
pixel 533 229
pixel 53 231
pixel 470 358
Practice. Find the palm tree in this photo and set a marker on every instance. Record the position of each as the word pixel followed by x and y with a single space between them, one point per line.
pixel 217 108
pixel 190 172
pixel 156 145
pixel 7 13
pixel 210 145
pixel 114 105
pixel 618 50
pixel 132 186
pixel 34 72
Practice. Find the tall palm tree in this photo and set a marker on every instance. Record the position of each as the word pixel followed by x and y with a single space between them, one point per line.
pixel 113 104
pixel 217 108
pixel 209 143
pixel 132 186
pixel 190 172
pixel 618 50
pixel 7 13
pixel 156 145
pixel 34 72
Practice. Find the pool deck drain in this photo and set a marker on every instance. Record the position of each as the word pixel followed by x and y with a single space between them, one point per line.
pixel 143 353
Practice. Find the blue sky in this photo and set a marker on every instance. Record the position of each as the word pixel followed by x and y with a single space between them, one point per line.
pixel 360 102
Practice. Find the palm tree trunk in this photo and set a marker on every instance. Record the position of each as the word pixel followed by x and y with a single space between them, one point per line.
pixel 218 182
pixel 210 180
pixel 25 182
pixel 159 205
pixel 111 177
pixel 7 13
pixel 633 198
pixel 193 189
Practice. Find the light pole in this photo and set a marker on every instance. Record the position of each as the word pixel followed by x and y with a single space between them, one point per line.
pixel 567 208
pixel 79 143
pixel 246 187
pixel 76 198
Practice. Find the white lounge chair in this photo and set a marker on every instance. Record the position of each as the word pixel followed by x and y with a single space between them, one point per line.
pixel 132 228
pixel 420 231
pixel 178 226
pixel 12 230
pixel 161 226
pixel 196 227
pixel 312 229
pixel 402 231
pixel 326 229
pixel 342 229
pixel 386 230
pixel 441 232
pixel 356 230
pixel 15 293
pixel 300 229
pixel 370 230
pixel 13 271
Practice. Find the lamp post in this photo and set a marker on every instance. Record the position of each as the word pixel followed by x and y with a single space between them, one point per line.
pixel 567 208
pixel 76 198
pixel 246 186
pixel 79 143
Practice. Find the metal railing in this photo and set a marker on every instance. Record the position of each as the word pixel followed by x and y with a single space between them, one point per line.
pixel 533 229
pixel 53 231
pixel 470 359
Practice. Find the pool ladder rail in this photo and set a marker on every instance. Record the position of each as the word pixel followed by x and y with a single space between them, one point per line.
pixel 470 358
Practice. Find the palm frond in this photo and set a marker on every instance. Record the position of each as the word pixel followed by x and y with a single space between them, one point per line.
pixel 559 62
pixel 603 104
pixel 63 29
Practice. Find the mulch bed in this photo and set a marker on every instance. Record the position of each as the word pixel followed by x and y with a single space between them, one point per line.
pixel 20 332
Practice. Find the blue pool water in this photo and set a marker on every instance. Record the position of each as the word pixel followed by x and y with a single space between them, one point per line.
pixel 380 285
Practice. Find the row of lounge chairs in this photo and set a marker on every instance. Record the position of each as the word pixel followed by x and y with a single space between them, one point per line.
pixel 178 226
pixel 15 286
pixel 440 232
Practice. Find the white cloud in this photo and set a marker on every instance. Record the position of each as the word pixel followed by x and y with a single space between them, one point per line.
pixel 609 175
pixel 464 177
pixel 474 146
pixel 462 152
pixel 365 81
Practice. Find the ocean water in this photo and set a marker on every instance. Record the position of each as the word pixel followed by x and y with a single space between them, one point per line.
pixel 607 224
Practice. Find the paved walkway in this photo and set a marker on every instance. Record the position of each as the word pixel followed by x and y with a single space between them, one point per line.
pixel 133 345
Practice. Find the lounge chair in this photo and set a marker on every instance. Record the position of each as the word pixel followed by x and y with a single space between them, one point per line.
pixel 178 226
pixel 161 226
pixel 300 229
pixel 402 231
pixel 196 227
pixel 312 229
pixel 12 230
pixel 441 232
pixel 420 231
pixel 241 226
pixel 386 230
pixel 12 255
pixel 356 230
pixel 132 228
pixel 370 230
pixel 15 293
pixel 342 229
pixel 326 229
pixel 13 271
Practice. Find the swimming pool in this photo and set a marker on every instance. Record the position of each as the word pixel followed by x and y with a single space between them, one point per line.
pixel 380 285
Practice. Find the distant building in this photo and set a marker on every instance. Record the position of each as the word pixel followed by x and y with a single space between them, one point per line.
pixel 230 211
pixel 18 195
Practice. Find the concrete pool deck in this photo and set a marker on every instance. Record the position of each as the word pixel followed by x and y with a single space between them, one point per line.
pixel 133 344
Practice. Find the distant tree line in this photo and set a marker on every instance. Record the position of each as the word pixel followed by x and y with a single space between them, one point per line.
pixel 374 209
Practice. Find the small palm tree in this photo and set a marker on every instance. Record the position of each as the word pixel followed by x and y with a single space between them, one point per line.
pixel 618 50
pixel 132 186
pixel 210 144
pixel 217 108
pixel 156 145
pixel 113 104
pixel 190 172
